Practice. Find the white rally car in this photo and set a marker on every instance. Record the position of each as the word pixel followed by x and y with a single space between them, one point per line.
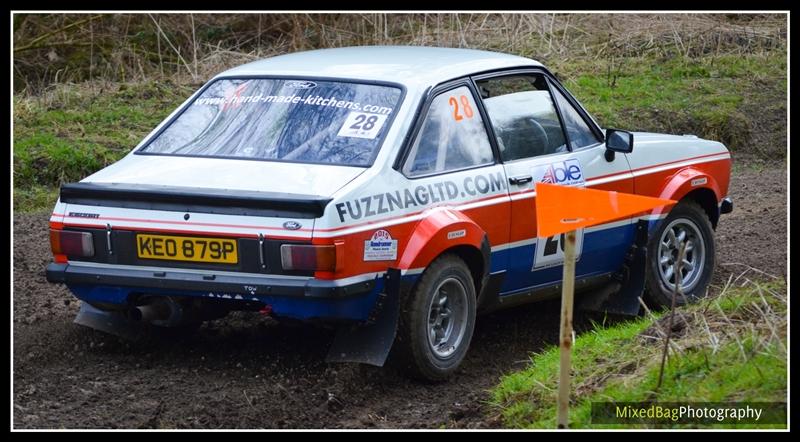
pixel 387 191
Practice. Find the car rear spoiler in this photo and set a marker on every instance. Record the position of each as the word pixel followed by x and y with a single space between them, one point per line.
pixel 202 200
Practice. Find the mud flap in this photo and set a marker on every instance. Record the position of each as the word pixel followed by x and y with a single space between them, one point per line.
pixel 114 323
pixel 370 344
pixel 623 298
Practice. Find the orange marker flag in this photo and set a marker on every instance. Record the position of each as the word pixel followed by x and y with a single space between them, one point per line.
pixel 560 209
pixel 563 209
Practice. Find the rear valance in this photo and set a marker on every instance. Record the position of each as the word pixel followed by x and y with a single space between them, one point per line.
pixel 187 199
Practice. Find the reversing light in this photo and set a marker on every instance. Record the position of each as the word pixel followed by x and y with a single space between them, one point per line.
pixel 308 257
pixel 66 242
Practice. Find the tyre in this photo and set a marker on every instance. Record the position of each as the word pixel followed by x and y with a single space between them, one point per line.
pixel 686 223
pixel 437 319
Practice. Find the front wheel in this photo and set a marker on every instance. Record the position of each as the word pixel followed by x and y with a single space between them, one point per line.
pixel 687 224
pixel 436 321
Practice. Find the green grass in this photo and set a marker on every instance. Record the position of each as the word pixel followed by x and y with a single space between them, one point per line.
pixel 721 98
pixel 75 130
pixel 71 131
pixel 34 198
pixel 616 363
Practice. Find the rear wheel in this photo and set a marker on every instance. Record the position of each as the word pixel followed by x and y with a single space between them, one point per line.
pixel 687 224
pixel 436 321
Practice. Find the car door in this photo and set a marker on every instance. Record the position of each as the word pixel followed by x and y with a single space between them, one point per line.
pixel 452 155
pixel 543 136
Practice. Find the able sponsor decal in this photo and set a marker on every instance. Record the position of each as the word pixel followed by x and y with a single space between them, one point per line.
pixel 420 196
pixel 380 247
pixel 566 173
pixel 550 250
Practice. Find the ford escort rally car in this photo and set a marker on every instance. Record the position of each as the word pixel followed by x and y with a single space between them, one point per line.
pixel 388 192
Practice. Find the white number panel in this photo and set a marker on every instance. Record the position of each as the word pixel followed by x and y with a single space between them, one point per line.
pixel 550 251
pixel 362 125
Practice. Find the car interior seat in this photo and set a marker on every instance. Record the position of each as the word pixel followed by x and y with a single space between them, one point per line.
pixel 523 139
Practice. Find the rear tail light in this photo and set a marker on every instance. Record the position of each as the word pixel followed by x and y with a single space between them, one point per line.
pixel 66 242
pixel 308 257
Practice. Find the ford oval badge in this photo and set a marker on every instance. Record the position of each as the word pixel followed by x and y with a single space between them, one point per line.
pixel 301 84
pixel 292 225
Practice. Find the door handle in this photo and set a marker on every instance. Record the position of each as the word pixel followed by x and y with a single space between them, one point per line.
pixel 521 179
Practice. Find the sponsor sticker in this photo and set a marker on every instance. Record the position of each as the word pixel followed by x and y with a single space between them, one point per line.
pixel 699 181
pixel 550 250
pixel 457 234
pixel 381 247
pixel 421 196
pixel 235 97
pixel 362 125
pixel 567 172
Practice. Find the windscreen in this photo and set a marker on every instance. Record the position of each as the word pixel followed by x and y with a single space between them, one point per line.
pixel 303 121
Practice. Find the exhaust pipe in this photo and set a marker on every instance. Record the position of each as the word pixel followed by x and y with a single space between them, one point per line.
pixel 162 311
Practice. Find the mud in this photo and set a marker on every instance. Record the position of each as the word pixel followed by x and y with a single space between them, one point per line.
pixel 247 371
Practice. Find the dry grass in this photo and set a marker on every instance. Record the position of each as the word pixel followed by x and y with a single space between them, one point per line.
pixel 53 48
pixel 720 318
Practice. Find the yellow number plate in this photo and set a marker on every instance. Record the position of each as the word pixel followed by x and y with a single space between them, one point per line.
pixel 187 248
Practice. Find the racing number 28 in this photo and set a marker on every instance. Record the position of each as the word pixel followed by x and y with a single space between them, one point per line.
pixel 465 104
pixel 364 123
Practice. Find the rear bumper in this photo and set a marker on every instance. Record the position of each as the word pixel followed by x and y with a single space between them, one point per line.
pixel 296 297
pixel 208 281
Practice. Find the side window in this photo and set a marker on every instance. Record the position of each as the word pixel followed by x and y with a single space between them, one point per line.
pixel 579 133
pixel 452 136
pixel 523 116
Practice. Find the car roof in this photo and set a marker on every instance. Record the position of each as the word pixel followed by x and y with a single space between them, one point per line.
pixel 408 65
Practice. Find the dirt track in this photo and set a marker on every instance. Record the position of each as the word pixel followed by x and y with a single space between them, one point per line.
pixel 245 371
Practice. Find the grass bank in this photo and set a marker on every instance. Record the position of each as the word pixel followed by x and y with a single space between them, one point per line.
pixel 729 347
pixel 738 100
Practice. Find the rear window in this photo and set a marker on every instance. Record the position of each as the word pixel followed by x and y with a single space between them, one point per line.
pixel 303 121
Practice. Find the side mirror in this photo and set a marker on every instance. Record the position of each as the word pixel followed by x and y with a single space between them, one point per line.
pixel 618 141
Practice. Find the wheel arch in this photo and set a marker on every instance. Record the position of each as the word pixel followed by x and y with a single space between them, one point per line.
pixel 707 199
pixel 695 185
pixel 446 231
pixel 477 260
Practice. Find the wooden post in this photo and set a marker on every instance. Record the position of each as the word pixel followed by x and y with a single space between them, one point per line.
pixel 563 209
pixel 678 268
pixel 565 333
